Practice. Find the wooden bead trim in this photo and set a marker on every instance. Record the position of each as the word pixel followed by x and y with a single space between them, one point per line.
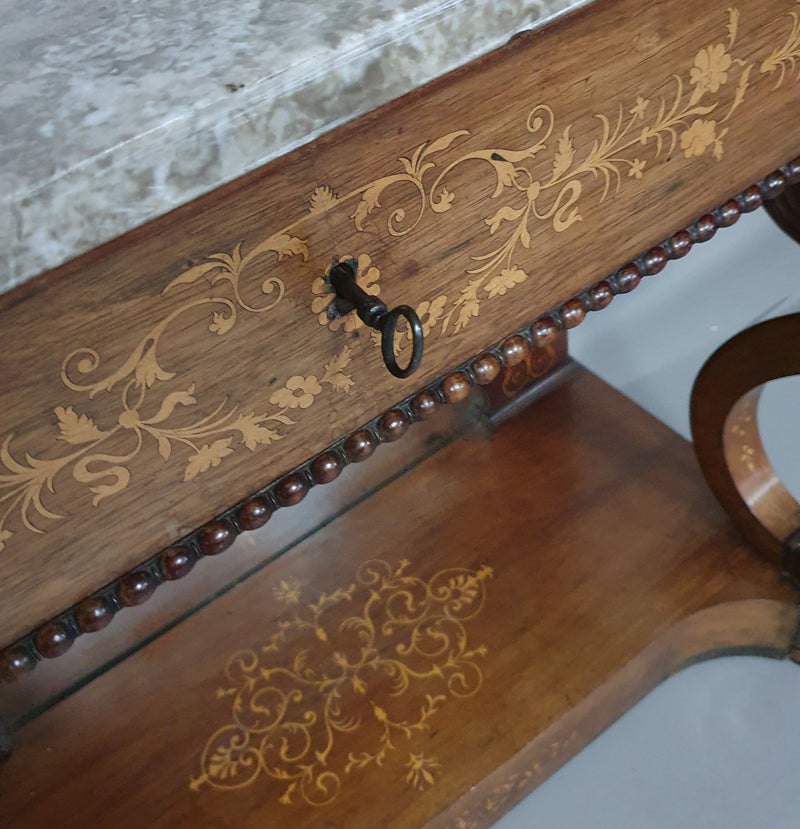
pixel 94 613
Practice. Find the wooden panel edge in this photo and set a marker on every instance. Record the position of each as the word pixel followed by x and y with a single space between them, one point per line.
pixel 759 627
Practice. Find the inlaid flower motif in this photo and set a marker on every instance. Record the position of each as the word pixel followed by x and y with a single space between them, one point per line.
pixel 698 138
pixel 421 770
pixel 298 393
pixel 639 109
pixel 710 70
pixel 637 168
pixel 287 592
pixel 367 276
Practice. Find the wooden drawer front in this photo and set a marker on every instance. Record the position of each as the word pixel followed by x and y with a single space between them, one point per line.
pixel 157 380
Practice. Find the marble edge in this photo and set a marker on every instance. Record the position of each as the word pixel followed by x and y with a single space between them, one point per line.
pixel 117 189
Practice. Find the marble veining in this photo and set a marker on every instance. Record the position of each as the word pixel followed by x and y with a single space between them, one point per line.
pixel 113 112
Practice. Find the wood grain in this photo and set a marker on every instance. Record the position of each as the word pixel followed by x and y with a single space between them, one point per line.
pixel 210 576
pixel 724 422
pixel 603 543
pixel 210 375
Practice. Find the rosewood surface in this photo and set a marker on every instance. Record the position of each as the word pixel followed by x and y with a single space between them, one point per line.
pixel 153 382
pixel 417 647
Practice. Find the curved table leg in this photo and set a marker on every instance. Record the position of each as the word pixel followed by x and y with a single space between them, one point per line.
pixel 727 443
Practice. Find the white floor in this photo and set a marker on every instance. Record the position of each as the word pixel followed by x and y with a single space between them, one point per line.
pixel 717 745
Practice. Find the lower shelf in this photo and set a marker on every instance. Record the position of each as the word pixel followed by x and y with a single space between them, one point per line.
pixel 429 657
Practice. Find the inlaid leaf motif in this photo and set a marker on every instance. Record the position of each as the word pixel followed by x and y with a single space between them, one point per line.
pixel 286 245
pixel 322 200
pixel 786 58
pixel 689 112
pixel 504 214
pixel 506 279
pixel 564 155
pixel 443 202
pixel 733 25
pixel 221 323
pixel 198 273
pixel 207 456
pixel 369 201
pixel 164 446
pixel 333 372
pixel 506 173
pixel 444 142
pixel 253 431
pixel 75 428
pixel 176 398
pixel 741 88
pixel 148 371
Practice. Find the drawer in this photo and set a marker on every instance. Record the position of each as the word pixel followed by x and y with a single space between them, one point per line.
pixel 159 380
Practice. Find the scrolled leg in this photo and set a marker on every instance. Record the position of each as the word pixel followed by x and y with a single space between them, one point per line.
pixel 724 420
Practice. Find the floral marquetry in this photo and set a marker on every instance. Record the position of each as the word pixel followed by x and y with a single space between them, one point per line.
pixel 554 172
pixel 341 673
pixel 175 562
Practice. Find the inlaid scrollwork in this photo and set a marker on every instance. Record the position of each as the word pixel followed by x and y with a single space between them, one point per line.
pixel 321 700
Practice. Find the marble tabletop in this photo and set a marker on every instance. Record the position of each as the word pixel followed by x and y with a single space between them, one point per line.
pixel 113 112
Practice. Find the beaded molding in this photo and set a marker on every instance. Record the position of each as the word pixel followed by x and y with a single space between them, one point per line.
pixel 94 613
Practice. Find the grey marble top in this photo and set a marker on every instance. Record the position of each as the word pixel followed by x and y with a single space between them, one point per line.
pixel 113 112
